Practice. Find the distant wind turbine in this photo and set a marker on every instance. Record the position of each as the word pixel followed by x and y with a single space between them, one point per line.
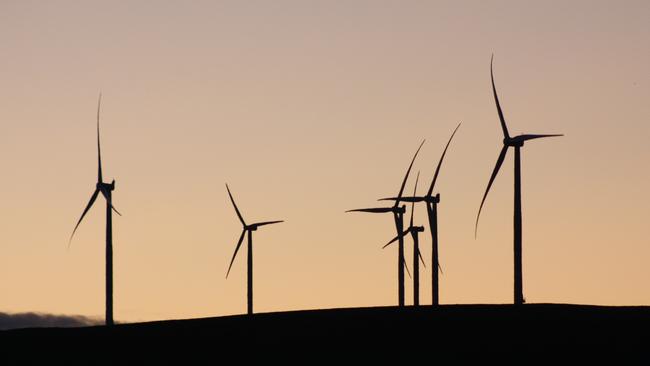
pixel 106 190
pixel 247 229
pixel 516 142
pixel 432 212
pixel 415 231
pixel 398 217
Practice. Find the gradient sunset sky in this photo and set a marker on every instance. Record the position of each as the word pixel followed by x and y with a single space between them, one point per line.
pixel 307 109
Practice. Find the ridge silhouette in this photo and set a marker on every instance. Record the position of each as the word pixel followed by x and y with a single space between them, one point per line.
pixel 476 332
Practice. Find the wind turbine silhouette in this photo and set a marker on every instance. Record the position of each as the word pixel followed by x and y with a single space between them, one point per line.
pixel 432 213
pixel 106 190
pixel 415 231
pixel 517 143
pixel 247 229
pixel 398 217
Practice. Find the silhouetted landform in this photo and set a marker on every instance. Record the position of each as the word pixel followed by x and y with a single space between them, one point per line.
pixel 533 332
pixel 30 320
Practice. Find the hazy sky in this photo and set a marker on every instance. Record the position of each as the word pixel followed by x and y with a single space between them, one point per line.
pixel 307 109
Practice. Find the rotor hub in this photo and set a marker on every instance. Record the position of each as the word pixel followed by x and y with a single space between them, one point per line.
pixel 106 186
pixel 513 142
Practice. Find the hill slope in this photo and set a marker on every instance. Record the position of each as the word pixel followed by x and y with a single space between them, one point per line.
pixel 458 331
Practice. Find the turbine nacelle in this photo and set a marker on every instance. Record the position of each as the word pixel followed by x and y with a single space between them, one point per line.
pixel 417 229
pixel 513 142
pixel 106 186
pixel 432 199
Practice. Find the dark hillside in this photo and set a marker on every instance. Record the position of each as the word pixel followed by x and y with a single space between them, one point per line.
pixel 533 331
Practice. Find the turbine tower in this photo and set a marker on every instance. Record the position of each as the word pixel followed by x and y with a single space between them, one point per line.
pixel 415 231
pixel 517 143
pixel 432 213
pixel 106 190
pixel 398 218
pixel 247 229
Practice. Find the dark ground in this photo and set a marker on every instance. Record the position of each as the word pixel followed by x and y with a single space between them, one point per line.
pixel 528 333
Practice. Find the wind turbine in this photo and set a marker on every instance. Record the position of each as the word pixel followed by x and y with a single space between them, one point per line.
pixel 517 143
pixel 106 190
pixel 415 231
pixel 398 217
pixel 247 229
pixel 432 213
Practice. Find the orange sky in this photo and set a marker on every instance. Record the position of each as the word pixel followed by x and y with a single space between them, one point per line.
pixel 306 110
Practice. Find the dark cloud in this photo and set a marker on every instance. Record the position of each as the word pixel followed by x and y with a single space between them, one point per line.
pixel 32 320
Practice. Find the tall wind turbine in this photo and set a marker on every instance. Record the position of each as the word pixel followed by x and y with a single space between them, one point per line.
pixel 517 143
pixel 247 229
pixel 415 231
pixel 432 212
pixel 398 217
pixel 106 190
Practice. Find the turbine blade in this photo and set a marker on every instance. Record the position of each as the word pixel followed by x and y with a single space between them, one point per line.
pixel 403 199
pixel 373 210
pixel 99 151
pixel 114 209
pixel 502 156
pixel 421 259
pixel 442 157
pixel 415 191
pixel 88 206
pixel 235 205
pixel 267 223
pixel 406 267
pixel 532 137
pixel 496 99
pixel 397 238
pixel 401 190
pixel 241 238
pixel 109 200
